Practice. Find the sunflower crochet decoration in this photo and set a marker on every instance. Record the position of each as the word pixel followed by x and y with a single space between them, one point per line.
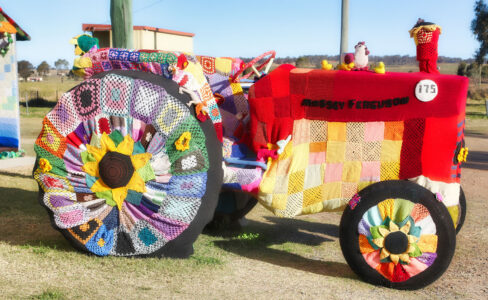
pixel 117 168
pixel 398 239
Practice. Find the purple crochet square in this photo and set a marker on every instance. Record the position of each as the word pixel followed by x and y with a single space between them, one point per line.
pixel 106 66
pixel 124 55
pixel 146 100
pixel 86 99
pixel 113 54
pixel 134 56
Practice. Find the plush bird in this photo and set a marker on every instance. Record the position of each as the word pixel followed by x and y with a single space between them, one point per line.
pixel 83 43
pixel 326 65
pixel 380 68
pixel 361 53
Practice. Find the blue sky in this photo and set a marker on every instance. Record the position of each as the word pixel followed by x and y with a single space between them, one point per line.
pixel 248 28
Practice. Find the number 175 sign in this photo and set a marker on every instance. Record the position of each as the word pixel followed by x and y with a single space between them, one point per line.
pixel 426 90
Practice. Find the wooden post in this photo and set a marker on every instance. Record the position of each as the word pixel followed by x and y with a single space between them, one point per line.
pixel 121 19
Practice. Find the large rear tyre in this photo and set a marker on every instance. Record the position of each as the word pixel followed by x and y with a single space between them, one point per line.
pixel 397 234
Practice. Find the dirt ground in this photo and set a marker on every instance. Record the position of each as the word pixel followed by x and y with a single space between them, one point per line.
pixel 273 259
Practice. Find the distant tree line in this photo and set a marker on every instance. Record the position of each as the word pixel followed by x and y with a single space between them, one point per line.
pixel 314 61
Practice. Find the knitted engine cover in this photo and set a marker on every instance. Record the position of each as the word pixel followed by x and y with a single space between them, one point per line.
pixel 126 169
pixel 351 129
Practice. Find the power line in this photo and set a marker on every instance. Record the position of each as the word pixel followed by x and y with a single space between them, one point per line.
pixel 148 6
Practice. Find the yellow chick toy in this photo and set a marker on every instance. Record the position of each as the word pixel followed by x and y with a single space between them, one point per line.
pixel 380 68
pixel 346 67
pixel 326 65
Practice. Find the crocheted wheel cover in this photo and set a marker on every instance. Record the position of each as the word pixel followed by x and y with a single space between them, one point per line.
pixel 124 166
pixel 397 234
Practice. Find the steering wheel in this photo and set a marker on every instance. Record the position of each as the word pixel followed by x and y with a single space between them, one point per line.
pixel 268 58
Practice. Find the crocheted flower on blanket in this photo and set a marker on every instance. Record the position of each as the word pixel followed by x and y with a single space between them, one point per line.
pixel 44 165
pixel 183 142
pixel 116 169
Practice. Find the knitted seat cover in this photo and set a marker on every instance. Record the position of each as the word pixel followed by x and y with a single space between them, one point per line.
pixel 126 169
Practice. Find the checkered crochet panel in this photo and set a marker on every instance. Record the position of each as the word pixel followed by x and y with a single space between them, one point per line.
pixel 326 163
pixel 166 185
pixel 184 69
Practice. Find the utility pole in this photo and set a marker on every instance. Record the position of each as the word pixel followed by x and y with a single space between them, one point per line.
pixel 121 19
pixel 344 28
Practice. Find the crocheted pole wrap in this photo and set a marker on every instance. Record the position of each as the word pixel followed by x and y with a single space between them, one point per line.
pixel 112 175
pixel 426 36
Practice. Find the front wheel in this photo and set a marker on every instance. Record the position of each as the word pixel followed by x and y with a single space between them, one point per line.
pixel 397 234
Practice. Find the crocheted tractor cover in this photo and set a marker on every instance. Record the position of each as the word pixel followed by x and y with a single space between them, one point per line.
pixel 126 169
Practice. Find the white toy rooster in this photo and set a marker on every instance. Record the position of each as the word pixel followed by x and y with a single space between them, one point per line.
pixel 361 56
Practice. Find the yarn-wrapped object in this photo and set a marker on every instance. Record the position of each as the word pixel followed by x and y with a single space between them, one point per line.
pixel 426 36
pixel 126 169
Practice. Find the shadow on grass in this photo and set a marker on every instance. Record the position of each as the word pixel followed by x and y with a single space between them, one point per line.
pixel 258 245
pixel 12 174
pixel 24 222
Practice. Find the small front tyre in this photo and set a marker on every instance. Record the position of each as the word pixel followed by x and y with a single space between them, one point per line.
pixel 397 234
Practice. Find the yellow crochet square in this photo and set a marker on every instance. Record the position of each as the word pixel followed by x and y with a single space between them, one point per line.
pixel 389 170
pixel 312 196
pixel 364 184
pixel 390 150
pixel 295 183
pixel 223 65
pixel 279 201
pixel 351 171
pixel 336 131
pixel 331 190
pixel 299 160
pixel 282 166
pixel 336 151
pixel 281 185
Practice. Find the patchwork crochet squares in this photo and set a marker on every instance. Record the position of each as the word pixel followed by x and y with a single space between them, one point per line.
pixel 111 175
pixel 182 68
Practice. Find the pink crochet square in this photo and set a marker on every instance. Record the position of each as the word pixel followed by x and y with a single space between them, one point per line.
pixel 374 131
pixel 333 172
pixel 370 171
pixel 316 158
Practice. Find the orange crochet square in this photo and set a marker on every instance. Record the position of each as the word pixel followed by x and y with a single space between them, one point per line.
pixel 51 140
pixel 336 131
pixel 318 147
pixel 394 131
pixel 206 93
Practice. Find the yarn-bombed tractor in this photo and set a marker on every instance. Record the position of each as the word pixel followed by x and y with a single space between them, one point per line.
pixel 129 162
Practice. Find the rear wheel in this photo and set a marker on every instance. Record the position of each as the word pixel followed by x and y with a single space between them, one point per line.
pixel 397 234
pixel 462 210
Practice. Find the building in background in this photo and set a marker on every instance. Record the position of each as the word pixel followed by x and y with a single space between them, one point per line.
pixel 10 33
pixel 145 37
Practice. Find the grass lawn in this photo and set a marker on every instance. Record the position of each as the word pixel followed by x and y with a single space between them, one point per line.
pixel 272 258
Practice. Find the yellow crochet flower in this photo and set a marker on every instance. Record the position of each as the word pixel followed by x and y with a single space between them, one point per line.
pixel 125 147
pixel 463 154
pixel 380 242
pixel 183 142
pixel 45 165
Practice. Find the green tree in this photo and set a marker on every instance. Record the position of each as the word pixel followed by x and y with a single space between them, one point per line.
pixel 25 69
pixel 61 64
pixel 43 68
pixel 479 26
pixel 303 62
pixel 461 71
